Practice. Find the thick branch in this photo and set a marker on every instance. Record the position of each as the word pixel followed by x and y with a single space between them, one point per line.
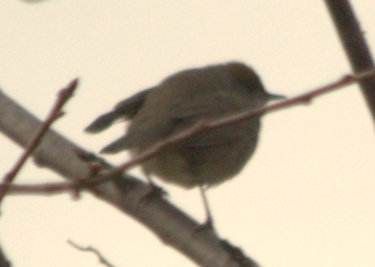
pixel 3 259
pixel 355 46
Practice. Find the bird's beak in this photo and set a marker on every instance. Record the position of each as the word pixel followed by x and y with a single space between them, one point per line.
pixel 275 97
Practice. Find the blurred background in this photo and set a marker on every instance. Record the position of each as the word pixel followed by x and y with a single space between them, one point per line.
pixel 306 198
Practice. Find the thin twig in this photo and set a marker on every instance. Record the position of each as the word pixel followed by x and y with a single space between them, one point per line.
pixel 54 114
pixel 205 125
pixel 93 250
pixel 194 129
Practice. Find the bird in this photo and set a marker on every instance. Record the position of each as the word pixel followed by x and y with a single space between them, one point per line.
pixel 181 100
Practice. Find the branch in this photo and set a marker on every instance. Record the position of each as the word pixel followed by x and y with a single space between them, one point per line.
pixel 101 258
pixel 63 96
pixel 205 125
pixel 3 259
pixel 352 39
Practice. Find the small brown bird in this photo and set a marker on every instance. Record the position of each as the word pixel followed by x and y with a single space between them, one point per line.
pixel 182 99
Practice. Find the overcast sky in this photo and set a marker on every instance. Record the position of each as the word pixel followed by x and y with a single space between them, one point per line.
pixel 305 199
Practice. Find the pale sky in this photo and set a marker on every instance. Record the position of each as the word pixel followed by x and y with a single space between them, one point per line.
pixel 306 198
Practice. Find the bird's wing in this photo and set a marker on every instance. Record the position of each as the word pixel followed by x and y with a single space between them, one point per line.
pixel 125 109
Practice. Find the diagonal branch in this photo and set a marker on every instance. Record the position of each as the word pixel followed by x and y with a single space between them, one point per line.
pixel 4 262
pixel 352 39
